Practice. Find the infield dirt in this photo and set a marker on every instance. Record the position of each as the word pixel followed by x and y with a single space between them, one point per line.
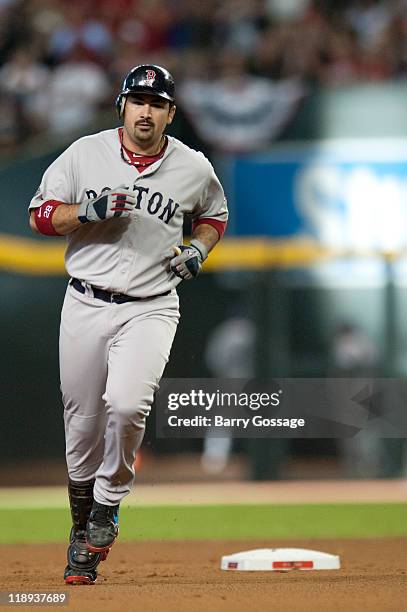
pixel 185 576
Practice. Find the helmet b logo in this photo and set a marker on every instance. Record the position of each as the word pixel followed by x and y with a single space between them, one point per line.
pixel 150 76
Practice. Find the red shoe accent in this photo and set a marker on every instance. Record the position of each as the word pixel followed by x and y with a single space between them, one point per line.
pixel 79 580
pixel 103 549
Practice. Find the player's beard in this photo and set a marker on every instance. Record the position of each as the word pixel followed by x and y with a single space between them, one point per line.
pixel 145 136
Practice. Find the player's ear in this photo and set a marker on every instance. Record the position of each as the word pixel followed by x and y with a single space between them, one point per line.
pixel 171 114
pixel 122 107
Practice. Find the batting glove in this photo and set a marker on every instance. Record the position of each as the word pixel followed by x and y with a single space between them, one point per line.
pixel 187 264
pixel 118 202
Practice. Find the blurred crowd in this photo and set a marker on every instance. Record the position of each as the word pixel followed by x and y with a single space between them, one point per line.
pixel 234 60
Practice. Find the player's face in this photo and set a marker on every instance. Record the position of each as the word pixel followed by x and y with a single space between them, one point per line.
pixel 145 119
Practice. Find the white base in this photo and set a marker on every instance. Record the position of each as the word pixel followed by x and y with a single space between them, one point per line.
pixel 280 560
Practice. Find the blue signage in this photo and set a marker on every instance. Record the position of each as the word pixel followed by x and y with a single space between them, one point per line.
pixel 344 194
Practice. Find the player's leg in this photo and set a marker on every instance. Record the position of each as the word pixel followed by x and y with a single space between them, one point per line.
pixel 82 563
pixel 83 353
pixel 137 358
pixel 83 370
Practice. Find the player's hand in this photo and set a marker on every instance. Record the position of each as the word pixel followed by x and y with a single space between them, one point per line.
pixel 189 259
pixel 118 202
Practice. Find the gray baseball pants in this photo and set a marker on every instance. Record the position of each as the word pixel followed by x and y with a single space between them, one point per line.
pixel 112 357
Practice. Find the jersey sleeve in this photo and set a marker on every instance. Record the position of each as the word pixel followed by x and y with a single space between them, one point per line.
pixel 58 182
pixel 212 208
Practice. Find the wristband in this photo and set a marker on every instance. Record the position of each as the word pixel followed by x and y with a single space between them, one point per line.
pixel 200 247
pixel 43 217
pixel 220 226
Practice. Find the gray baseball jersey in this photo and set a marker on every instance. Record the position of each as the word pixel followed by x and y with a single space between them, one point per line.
pixel 128 255
pixel 112 356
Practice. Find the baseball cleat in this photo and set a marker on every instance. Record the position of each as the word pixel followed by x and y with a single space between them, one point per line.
pixel 82 563
pixel 78 577
pixel 102 528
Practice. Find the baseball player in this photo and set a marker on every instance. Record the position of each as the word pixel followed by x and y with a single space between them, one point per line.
pixel 120 196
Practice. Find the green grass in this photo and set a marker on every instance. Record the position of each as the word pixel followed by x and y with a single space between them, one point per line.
pixel 219 522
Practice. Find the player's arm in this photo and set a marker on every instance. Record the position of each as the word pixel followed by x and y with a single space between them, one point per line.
pixel 208 228
pixel 64 220
pixel 55 218
pixel 207 235
pixel 189 259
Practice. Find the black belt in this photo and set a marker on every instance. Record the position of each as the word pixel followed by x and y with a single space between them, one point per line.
pixel 107 296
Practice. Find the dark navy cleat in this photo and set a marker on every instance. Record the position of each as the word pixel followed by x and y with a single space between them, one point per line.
pixel 78 577
pixel 102 528
pixel 82 563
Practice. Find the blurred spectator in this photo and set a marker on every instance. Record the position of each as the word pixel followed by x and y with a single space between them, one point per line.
pixel 9 124
pixel 45 16
pixel 369 18
pixel 78 88
pixel 353 352
pixel 292 49
pixel 80 29
pixel 229 354
pixel 376 64
pixel 354 355
pixel 113 14
pixel 194 25
pixel 287 10
pixel 15 28
pixel 24 80
pixel 341 64
pixel 127 54
pixel 238 24
pixel 395 41
pixel 155 18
